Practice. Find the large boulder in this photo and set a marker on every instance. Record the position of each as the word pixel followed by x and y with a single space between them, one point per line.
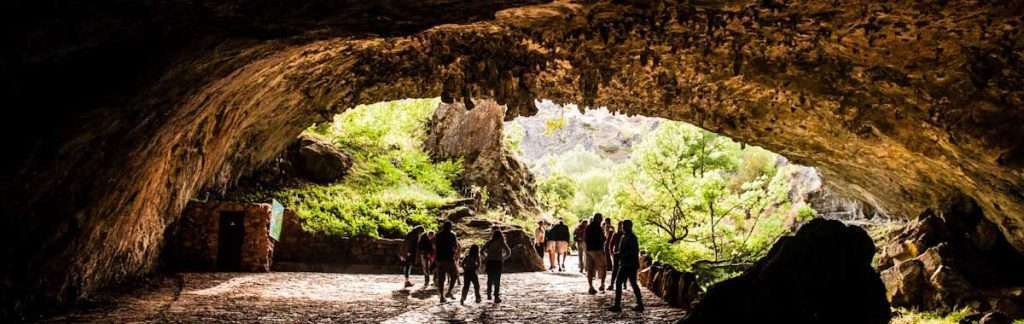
pixel 307 159
pixel 319 161
pixel 822 274
pixel 905 283
pixel 524 258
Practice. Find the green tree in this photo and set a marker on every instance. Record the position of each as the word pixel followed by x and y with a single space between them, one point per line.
pixel 556 192
pixel 701 199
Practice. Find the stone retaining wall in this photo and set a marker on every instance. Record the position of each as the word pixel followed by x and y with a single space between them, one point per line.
pixel 299 250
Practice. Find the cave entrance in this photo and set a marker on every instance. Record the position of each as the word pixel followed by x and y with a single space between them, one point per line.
pixel 229 240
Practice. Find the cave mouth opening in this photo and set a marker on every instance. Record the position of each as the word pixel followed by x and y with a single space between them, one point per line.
pixel 546 142
pixel 576 163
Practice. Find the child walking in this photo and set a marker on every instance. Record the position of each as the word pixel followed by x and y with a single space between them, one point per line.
pixel 470 264
pixel 495 253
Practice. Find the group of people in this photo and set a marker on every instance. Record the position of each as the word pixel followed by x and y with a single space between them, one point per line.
pixel 601 247
pixel 440 253
pixel 555 241
pixel 599 243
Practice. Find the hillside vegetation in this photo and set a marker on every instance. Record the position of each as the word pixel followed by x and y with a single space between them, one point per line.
pixel 393 184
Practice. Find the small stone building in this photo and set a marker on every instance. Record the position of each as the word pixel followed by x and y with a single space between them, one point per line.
pixel 223 236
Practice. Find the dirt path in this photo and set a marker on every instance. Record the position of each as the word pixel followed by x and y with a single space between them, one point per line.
pixel 294 297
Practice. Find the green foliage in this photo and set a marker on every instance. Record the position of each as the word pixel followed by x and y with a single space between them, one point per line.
pixel 716 205
pixel 591 176
pixel 512 137
pixel 553 125
pixel 805 213
pixel 700 201
pixel 906 316
pixel 392 185
pixel 555 193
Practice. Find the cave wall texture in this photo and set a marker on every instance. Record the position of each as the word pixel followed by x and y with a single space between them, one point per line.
pixel 120 111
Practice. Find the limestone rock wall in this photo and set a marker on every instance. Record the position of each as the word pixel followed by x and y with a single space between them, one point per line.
pixel 127 110
pixel 950 259
pixel 475 136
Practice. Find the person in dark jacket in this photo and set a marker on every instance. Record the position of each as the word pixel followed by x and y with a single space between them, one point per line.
pixel 447 247
pixel 560 236
pixel 629 263
pixel 549 243
pixel 495 251
pixel 408 253
pixel 425 249
pixel 595 252
pixel 613 244
pixel 470 264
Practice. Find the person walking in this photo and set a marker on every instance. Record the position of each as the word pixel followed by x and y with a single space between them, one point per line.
pixel 581 248
pixel 408 253
pixel 596 262
pixel 470 264
pixel 426 251
pixel 608 231
pixel 549 241
pixel 496 251
pixel 538 239
pixel 629 263
pixel 447 246
pixel 560 236
pixel 610 248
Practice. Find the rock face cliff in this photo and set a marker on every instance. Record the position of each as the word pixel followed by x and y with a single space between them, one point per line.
pixel 475 136
pixel 130 109
pixel 611 136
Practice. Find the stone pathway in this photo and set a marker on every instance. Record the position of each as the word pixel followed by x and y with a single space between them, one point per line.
pixel 296 297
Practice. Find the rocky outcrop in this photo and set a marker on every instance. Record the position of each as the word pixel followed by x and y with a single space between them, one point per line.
pixel 475 137
pixel 126 111
pixel 307 160
pixel 319 160
pixel 807 185
pixel 822 274
pixel 950 260
pixel 609 135
pixel 524 257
